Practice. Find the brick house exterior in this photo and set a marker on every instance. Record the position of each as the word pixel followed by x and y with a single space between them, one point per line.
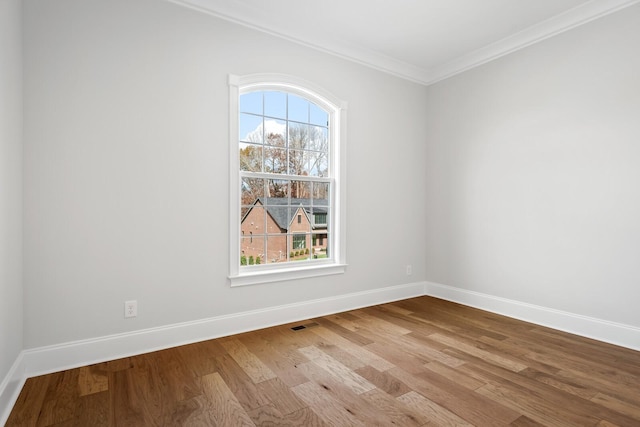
pixel 272 228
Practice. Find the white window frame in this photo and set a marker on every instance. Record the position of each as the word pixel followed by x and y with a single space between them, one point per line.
pixel 337 110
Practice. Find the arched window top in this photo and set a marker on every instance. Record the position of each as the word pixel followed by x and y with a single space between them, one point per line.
pixel 290 84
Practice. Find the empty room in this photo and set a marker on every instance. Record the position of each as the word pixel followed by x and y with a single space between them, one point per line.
pixel 337 213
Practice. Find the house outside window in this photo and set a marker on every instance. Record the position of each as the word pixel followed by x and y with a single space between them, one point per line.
pixel 287 180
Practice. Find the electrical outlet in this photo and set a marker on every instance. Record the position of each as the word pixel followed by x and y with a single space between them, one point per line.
pixel 409 270
pixel 130 308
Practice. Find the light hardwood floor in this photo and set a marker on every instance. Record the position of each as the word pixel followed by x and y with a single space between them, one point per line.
pixel 418 362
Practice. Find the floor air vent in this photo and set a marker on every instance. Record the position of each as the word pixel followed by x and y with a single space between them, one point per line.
pixel 300 327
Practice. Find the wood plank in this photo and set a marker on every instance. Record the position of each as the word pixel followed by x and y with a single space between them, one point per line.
pixel 337 370
pixel 281 359
pixel 92 380
pixel 599 379
pixel 618 405
pixel 436 413
pixel 200 356
pixel 192 412
pixel 568 406
pixel 498 359
pixel 383 381
pixel 327 408
pixel 394 409
pixel 361 353
pixel 178 381
pixel 462 402
pixel 354 337
pixel 250 364
pixel 29 403
pixel 524 421
pixel 536 409
pixel 557 382
pixel 454 375
pixel 92 410
pixel 378 323
pixel 281 396
pixel 123 400
pixel 270 416
pixel 62 398
pixel 224 407
pixel 240 383
pixel 425 348
pixel 399 357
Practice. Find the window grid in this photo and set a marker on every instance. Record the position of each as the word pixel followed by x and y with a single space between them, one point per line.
pixel 292 176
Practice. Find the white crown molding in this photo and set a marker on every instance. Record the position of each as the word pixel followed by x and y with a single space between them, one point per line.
pixel 568 20
pixel 222 9
pixel 563 22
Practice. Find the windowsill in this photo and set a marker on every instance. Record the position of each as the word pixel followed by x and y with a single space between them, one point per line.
pixel 293 273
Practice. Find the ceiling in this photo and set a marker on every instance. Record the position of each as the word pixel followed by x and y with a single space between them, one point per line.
pixel 421 40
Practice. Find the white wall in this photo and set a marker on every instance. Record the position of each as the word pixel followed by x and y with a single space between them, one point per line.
pixel 10 185
pixel 126 167
pixel 533 182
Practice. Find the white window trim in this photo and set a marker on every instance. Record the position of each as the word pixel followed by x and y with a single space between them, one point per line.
pixel 337 110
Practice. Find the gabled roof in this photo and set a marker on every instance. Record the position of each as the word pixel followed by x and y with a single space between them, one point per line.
pixel 282 210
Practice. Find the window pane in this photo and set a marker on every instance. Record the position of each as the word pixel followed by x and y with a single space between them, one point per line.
pixel 251 128
pixel 298 109
pixel 299 220
pixel 274 132
pixel 298 136
pixel 277 249
pixel 250 157
pixel 320 193
pixel 297 164
pixel 275 104
pixel 307 163
pixel 278 208
pixel 317 116
pixel 300 247
pixel 315 163
pixel 252 247
pixel 318 164
pixel 253 222
pixel 301 191
pixel 275 160
pixel 244 245
pixel 252 189
pixel 251 102
pixel 320 243
pixel 278 188
pixel 299 241
pixel 318 139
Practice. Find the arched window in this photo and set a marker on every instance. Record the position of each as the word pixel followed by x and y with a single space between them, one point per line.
pixel 287 164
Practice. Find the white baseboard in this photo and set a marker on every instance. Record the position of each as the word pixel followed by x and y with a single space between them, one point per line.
pixel 43 360
pixel 10 388
pixel 601 330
